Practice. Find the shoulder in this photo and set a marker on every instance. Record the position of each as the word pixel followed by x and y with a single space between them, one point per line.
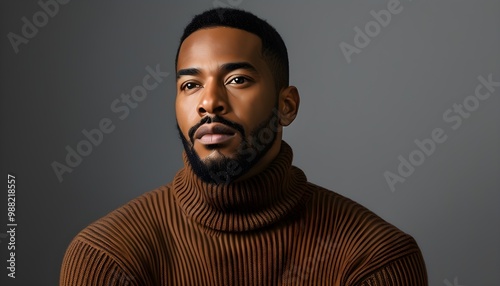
pixel 351 219
pixel 115 248
pixel 135 223
pixel 147 209
pixel 346 211
pixel 367 241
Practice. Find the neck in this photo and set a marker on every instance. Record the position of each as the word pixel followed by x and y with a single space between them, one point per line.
pixel 264 162
pixel 255 202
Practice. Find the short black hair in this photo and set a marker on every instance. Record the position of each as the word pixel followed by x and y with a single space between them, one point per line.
pixel 273 47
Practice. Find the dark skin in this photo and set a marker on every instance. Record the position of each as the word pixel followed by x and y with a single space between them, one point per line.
pixel 221 71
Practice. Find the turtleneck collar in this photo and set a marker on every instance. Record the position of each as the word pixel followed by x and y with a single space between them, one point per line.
pixel 245 205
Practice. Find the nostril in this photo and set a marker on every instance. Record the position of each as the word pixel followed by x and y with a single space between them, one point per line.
pixel 218 109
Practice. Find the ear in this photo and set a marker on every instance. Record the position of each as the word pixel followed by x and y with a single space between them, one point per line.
pixel 288 105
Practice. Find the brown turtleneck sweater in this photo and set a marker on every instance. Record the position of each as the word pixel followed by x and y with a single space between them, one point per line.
pixel 272 229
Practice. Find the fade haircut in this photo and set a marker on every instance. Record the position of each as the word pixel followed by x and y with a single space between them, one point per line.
pixel 273 47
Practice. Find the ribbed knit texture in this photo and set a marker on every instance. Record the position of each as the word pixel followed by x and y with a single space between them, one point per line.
pixel 272 229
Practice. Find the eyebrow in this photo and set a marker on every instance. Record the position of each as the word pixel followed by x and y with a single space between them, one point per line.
pixel 190 71
pixel 227 67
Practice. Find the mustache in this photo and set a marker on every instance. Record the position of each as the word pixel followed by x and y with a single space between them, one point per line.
pixel 215 119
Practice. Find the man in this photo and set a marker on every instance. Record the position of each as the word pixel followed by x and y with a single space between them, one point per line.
pixel 239 213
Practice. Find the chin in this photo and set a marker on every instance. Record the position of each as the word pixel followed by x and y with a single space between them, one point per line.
pixel 217 150
pixel 214 154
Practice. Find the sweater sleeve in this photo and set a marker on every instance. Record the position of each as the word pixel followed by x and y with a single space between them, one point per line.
pixel 84 265
pixel 408 270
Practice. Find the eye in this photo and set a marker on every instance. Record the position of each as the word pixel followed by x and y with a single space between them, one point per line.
pixel 190 85
pixel 238 80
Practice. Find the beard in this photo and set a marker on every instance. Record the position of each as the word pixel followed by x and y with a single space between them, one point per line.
pixel 223 169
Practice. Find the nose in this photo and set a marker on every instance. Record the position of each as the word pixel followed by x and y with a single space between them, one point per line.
pixel 213 100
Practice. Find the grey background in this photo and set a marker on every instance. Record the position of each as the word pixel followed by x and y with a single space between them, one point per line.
pixel 355 119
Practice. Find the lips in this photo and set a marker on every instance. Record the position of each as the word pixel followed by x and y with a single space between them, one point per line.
pixel 214 133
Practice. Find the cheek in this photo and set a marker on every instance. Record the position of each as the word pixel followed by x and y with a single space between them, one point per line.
pixel 253 110
pixel 185 114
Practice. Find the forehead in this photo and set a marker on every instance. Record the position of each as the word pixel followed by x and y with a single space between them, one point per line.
pixel 217 45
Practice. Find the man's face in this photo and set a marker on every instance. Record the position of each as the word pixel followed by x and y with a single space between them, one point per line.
pixel 226 104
